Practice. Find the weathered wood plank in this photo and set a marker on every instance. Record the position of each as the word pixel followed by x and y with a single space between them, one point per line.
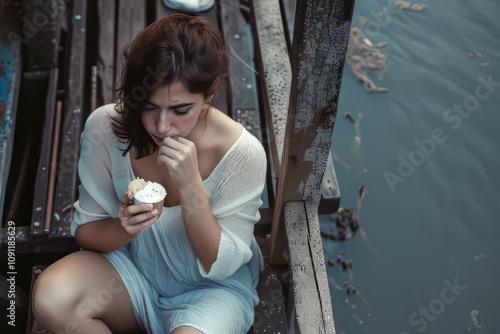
pixel 72 118
pixel 320 41
pixel 106 11
pixel 307 300
pixel 318 259
pixel 131 20
pixel 26 146
pixel 42 33
pixel 243 101
pixel 275 66
pixel 41 185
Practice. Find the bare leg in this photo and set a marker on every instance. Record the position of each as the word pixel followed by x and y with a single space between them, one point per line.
pixel 83 293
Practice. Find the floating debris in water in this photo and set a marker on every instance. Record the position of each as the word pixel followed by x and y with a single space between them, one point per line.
pixel 346 224
pixel 351 290
pixel 361 194
pixel 408 6
pixel 477 257
pixel 349 117
pixel 362 21
pixel 363 54
pixel 484 64
pixel 474 314
pixel 344 265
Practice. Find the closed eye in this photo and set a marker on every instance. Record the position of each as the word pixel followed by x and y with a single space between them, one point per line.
pixel 181 111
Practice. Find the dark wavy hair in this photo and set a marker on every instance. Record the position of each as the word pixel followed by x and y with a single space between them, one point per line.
pixel 177 48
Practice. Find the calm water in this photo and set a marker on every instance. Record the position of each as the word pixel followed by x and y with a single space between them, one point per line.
pixel 430 259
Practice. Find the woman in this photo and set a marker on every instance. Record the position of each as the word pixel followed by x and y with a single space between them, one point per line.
pixel 194 267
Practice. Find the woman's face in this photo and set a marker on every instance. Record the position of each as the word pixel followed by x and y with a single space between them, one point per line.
pixel 172 111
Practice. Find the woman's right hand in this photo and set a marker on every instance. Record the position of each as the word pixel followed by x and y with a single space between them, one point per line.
pixel 134 218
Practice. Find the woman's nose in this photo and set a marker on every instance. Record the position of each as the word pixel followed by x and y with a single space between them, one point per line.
pixel 163 123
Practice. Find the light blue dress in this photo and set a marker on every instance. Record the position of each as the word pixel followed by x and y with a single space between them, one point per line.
pixel 166 282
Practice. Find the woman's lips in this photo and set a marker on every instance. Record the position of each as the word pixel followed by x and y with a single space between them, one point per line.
pixel 160 139
pixel 157 139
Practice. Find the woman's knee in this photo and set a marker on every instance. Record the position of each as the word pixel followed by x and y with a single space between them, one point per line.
pixel 58 291
pixel 54 296
pixel 80 287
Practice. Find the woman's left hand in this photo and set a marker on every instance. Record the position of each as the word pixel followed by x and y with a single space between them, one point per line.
pixel 179 155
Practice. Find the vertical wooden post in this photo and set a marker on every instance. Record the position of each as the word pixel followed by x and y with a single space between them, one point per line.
pixel 319 48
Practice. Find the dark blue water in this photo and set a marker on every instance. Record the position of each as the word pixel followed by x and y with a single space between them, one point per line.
pixel 427 260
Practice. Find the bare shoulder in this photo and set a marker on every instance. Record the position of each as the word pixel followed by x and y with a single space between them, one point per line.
pixel 224 130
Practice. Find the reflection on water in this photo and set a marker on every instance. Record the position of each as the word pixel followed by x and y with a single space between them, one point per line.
pixel 427 155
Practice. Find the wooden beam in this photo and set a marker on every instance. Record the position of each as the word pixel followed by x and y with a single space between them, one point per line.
pixel 106 14
pixel 41 186
pixel 275 66
pixel 42 40
pixel 131 20
pixel 319 48
pixel 243 100
pixel 306 297
pixel 71 124
pixel 318 260
pixel 311 293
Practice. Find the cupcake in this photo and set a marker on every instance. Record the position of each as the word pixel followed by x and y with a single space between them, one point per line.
pixel 147 192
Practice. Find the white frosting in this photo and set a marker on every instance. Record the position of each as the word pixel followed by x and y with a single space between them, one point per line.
pixel 153 192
